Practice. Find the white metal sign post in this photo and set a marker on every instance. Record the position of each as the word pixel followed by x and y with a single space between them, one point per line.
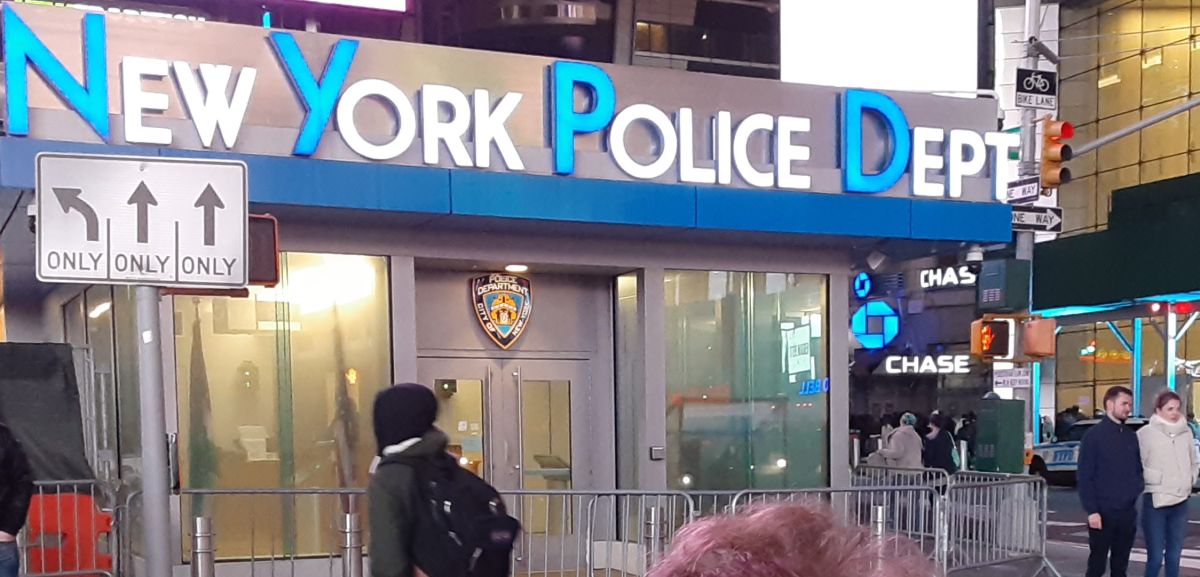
pixel 151 222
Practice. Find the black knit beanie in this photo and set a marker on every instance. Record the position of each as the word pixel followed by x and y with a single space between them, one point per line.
pixel 403 412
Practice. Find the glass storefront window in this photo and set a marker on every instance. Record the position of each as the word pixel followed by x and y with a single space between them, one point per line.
pixel 747 380
pixel 275 391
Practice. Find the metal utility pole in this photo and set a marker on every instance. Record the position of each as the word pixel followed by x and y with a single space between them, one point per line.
pixel 156 492
pixel 1028 166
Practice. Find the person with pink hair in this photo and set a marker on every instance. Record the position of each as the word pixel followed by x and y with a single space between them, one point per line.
pixel 788 540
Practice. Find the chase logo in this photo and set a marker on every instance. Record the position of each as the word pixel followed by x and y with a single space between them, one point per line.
pixel 876 324
pixel 862 285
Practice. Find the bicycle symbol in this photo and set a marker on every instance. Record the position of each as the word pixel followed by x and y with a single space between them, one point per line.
pixel 1036 81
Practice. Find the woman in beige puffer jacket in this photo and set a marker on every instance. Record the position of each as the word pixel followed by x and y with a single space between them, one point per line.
pixel 1169 463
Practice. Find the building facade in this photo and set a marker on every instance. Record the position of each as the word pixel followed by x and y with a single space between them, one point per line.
pixel 613 277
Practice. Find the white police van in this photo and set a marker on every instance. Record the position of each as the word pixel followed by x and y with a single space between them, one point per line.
pixel 1057 462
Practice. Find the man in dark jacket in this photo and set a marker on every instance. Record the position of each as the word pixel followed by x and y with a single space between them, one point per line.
pixel 939 445
pixel 16 489
pixel 1110 482
pixel 404 417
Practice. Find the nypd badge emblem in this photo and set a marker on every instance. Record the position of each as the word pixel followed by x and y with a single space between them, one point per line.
pixel 502 304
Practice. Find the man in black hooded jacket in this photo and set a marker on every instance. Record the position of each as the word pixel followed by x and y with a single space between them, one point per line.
pixel 404 417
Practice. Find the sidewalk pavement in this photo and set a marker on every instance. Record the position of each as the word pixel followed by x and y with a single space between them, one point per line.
pixel 1070 559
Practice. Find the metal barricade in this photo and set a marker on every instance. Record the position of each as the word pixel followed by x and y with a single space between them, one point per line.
pixel 964 522
pixel 999 521
pixel 275 531
pixel 876 476
pixel 575 533
pixel 70 530
pixel 707 504
pixel 978 477
pixel 910 512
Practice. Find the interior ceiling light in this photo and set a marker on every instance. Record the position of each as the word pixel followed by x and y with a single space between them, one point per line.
pixel 517 268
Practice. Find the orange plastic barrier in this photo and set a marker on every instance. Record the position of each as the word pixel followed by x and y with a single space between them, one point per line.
pixel 64 532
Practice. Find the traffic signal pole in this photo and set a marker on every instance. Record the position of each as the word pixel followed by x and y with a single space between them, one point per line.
pixel 1132 128
pixel 1028 167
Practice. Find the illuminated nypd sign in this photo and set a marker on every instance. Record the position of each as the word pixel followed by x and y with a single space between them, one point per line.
pixel 928 365
pixel 209 86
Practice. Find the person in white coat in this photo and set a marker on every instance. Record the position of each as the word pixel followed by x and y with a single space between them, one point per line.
pixel 1170 468
pixel 904 447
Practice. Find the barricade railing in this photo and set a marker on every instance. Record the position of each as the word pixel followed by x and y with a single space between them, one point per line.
pixel 566 533
pixel 998 521
pixel 962 522
pixel 876 476
pixel 310 531
pixel 579 533
pixel 70 530
pixel 706 504
pixel 908 511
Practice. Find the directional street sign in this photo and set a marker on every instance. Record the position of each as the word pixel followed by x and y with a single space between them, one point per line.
pixel 1024 191
pixel 148 221
pixel 1037 218
pixel 1020 378
pixel 1037 89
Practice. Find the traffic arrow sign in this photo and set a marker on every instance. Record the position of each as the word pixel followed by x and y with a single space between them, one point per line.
pixel 210 201
pixel 1024 191
pixel 143 199
pixel 1037 218
pixel 68 199
pixel 165 222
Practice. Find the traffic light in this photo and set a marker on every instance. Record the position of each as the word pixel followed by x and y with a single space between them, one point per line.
pixel 263 247
pixel 1054 152
pixel 992 339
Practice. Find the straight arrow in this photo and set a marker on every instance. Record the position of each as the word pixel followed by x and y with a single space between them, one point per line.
pixel 143 199
pixel 210 201
pixel 68 199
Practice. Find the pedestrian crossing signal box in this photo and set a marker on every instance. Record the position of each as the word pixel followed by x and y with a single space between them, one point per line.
pixel 263 264
pixel 993 339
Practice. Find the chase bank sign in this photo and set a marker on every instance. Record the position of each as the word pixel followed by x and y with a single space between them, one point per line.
pixel 207 86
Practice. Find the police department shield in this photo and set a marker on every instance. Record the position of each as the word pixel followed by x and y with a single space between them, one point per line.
pixel 502 304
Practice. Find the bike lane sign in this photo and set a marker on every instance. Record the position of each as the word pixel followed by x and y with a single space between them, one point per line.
pixel 1037 89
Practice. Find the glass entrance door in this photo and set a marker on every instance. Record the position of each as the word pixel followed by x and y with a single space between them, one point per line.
pixel 523 425
pixel 513 422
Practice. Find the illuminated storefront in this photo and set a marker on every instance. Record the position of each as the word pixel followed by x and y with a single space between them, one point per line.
pixel 613 277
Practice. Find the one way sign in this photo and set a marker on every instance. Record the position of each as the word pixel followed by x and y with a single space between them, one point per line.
pixel 131 220
pixel 1037 218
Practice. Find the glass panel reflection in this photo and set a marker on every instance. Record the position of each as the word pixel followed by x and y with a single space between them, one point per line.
pixel 747 380
pixel 546 450
pixel 461 418
pixel 274 391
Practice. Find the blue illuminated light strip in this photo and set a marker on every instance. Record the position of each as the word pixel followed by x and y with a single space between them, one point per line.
pixel 1036 395
pixel 23 49
pixel 1112 327
pixel 1137 366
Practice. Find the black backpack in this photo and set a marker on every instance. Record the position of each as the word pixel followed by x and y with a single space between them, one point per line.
pixel 462 526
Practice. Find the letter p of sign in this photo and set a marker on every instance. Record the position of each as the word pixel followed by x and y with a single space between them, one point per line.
pixel 566 122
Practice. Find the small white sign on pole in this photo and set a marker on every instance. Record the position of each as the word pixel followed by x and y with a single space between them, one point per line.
pixel 1019 378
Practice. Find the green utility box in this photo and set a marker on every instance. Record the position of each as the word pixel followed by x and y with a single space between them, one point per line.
pixel 1000 446
pixel 1003 286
